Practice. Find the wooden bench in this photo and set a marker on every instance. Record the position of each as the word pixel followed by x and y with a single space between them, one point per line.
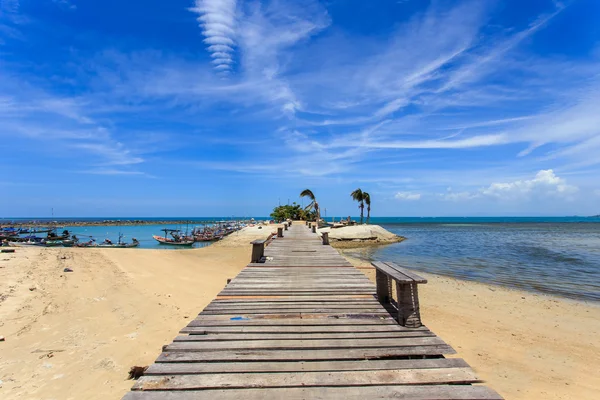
pixel 406 289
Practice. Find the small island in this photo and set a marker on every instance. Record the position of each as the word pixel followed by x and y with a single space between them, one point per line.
pixel 347 233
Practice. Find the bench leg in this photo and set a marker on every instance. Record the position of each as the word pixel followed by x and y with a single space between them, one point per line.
pixel 409 314
pixel 258 252
pixel 384 287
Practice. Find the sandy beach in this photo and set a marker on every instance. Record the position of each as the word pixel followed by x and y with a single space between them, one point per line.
pixel 73 335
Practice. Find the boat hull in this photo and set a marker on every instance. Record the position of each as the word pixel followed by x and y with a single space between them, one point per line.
pixel 171 242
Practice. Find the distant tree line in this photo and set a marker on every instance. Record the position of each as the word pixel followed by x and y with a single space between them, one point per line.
pixel 293 211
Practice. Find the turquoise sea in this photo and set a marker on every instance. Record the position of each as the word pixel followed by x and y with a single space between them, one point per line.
pixel 554 255
pixel 559 256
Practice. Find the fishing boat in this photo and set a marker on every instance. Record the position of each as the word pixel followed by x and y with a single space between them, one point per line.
pixel 89 243
pixel 27 244
pixel 53 235
pixel 58 243
pixel 176 239
pixel 120 244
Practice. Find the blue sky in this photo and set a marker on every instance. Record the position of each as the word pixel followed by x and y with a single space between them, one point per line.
pixel 224 107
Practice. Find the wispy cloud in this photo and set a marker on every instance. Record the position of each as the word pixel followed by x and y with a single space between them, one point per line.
pixel 218 21
pixel 407 196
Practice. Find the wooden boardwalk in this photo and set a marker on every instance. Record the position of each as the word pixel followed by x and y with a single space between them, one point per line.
pixel 304 324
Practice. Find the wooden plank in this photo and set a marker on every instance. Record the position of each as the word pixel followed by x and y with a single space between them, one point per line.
pixel 407 272
pixel 247 311
pixel 302 355
pixel 298 305
pixel 323 366
pixel 426 392
pixel 206 321
pixel 391 272
pixel 300 336
pixel 278 329
pixel 309 379
pixel 338 298
pixel 320 344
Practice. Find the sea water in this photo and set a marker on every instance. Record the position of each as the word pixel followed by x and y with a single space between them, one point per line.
pixel 560 258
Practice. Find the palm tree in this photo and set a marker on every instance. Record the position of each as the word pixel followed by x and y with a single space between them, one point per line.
pixel 367 198
pixel 313 204
pixel 358 195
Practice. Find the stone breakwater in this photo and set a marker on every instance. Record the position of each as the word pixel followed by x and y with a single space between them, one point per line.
pixel 108 222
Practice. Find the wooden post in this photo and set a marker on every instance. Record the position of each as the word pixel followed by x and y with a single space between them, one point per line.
pixel 280 232
pixel 325 237
pixel 258 251
pixel 384 287
pixel 285 226
pixel 290 221
pixel 314 229
pixel 409 314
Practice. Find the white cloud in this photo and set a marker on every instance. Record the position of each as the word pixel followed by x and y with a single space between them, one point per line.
pixel 545 183
pixel 408 196
pixel 218 21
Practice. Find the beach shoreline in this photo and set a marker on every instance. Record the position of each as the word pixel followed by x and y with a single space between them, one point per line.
pixel 73 335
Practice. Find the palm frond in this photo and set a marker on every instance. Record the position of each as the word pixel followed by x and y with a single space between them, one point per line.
pixel 308 193
pixel 357 195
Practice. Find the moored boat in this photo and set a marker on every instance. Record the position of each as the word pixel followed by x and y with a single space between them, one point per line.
pixel 176 238
pixel 119 245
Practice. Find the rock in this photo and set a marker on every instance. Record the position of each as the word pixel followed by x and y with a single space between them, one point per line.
pixel 32 288
pixel 67 270
pixel 361 232
pixel 2 339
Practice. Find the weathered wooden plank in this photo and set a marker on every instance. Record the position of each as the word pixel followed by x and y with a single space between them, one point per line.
pixel 303 366
pixel 268 299
pixel 391 272
pixel 279 329
pixel 301 336
pixel 309 379
pixel 426 392
pixel 281 306
pixel 407 272
pixel 347 310
pixel 210 321
pixel 302 355
pixel 320 344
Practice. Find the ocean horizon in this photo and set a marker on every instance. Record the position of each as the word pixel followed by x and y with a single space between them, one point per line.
pixel 373 220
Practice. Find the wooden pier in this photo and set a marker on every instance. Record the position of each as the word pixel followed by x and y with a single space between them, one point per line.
pixel 302 323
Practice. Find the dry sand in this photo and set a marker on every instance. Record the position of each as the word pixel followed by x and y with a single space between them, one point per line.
pixel 76 334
